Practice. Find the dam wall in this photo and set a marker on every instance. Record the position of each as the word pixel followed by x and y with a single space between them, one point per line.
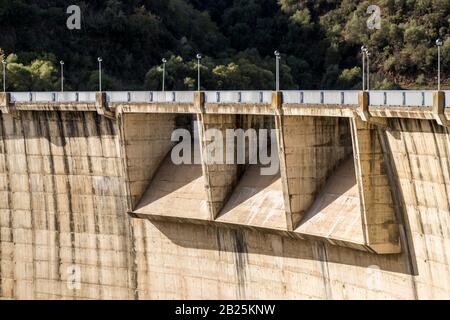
pixel 85 211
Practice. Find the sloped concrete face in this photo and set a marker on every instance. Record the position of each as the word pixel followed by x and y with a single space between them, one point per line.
pixel 310 149
pixel 176 191
pixel 257 200
pixel 336 211
pixel 147 141
pixel 221 178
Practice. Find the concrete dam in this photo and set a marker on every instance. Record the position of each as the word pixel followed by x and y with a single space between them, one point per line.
pixel 92 207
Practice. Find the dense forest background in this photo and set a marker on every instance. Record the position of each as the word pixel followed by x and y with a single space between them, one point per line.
pixel 319 40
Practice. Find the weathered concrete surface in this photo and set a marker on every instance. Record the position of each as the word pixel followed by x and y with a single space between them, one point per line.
pixel 146 142
pixel 63 204
pixel 220 177
pixel 420 154
pixel 380 226
pixel 310 148
pixel 293 109
pixel 140 108
pixel 336 212
pixel 256 201
pixel 5 104
pixel 239 108
pixel 176 191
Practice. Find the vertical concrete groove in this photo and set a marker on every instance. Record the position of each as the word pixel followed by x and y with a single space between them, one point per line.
pixel 146 260
pixel 60 125
pixel 124 156
pixel 95 213
pixel 131 257
pixel 9 196
pixel 436 147
pixel 1 242
pixel 31 212
pixel 320 252
pixel 57 223
pixel 3 154
pixel 241 261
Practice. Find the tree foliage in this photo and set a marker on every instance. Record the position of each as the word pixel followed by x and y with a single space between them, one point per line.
pixel 320 42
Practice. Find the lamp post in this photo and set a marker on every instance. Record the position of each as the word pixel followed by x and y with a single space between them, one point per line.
pixel 363 54
pixel 199 57
pixel 277 70
pixel 62 75
pixel 4 75
pixel 439 45
pixel 164 61
pixel 99 59
pixel 368 54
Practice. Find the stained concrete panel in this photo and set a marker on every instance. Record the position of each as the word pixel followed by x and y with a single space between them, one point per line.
pixel 256 201
pixel 336 212
pixel 176 191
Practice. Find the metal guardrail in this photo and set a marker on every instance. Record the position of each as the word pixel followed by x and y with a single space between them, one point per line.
pixel 111 96
pixel 347 97
pixel 151 96
pixel 447 98
pixel 258 97
pixel 332 97
pixel 37 97
pixel 401 98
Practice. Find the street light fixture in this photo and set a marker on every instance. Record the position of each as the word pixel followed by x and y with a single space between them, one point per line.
pixel 199 57
pixel 164 61
pixel 277 70
pixel 62 75
pixel 99 59
pixel 363 54
pixel 439 45
pixel 4 75
pixel 368 54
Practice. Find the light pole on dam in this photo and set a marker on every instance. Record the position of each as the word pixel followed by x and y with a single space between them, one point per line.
pixel 99 59
pixel 439 45
pixel 4 75
pixel 164 61
pixel 199 58
pixel 62 75
pixel 277 71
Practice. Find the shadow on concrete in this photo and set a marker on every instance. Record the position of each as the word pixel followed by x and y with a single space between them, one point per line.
pixel 56 126
pixel 257 200
pixel 250 184
pixel 260 243
pixel 340 182
pixel 175 190
pixel 257 242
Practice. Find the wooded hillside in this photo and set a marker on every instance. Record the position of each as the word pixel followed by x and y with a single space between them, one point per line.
pixel 319 40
